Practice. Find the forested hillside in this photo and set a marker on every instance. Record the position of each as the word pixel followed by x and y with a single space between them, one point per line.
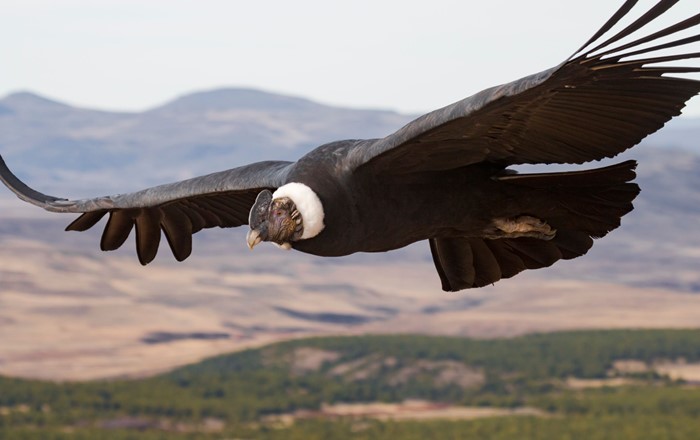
pixel 579 384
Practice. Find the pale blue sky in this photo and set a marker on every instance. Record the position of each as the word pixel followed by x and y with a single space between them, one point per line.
pixel 410 56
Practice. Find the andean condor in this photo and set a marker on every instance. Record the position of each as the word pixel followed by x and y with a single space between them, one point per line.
pixel 444 177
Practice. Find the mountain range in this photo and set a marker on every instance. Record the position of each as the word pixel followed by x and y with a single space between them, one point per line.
pixel 54 143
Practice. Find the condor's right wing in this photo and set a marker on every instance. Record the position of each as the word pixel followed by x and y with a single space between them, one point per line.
pixel 179 209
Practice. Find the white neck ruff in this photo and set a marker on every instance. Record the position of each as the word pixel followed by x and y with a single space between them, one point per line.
pixel 308 204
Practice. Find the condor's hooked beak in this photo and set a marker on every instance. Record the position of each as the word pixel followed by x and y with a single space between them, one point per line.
pixel 253 238
pixel 257 219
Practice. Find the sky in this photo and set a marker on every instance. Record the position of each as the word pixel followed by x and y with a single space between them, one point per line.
pixel 409 56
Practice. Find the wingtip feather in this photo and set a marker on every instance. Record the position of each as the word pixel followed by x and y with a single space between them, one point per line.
pixel 22 190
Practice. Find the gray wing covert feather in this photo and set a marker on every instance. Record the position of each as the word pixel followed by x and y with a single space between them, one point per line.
pixel 595 105
pixel 178 209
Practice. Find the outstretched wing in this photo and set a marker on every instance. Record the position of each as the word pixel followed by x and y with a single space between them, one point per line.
pixel 179 209
pixel 603 100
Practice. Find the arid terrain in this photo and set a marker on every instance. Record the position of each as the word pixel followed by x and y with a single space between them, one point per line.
pixel 68 311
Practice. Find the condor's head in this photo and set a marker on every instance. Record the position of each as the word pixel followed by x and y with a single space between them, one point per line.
pixel 292 213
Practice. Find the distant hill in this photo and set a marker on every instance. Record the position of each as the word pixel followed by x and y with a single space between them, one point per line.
pixel 56 144
pixel 680 133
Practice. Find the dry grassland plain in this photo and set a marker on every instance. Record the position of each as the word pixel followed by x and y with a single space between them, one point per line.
pixel 70 312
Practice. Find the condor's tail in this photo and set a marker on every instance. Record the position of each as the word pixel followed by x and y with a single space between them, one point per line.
pixel 580 206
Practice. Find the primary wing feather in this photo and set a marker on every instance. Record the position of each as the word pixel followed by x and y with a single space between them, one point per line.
pixel 178 209
pixel 597 104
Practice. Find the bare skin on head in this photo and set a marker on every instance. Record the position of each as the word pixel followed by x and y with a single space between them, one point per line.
pixel 282 225
pixel 292 213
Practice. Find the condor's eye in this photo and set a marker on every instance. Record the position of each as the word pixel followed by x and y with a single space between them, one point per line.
pixel 279 213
